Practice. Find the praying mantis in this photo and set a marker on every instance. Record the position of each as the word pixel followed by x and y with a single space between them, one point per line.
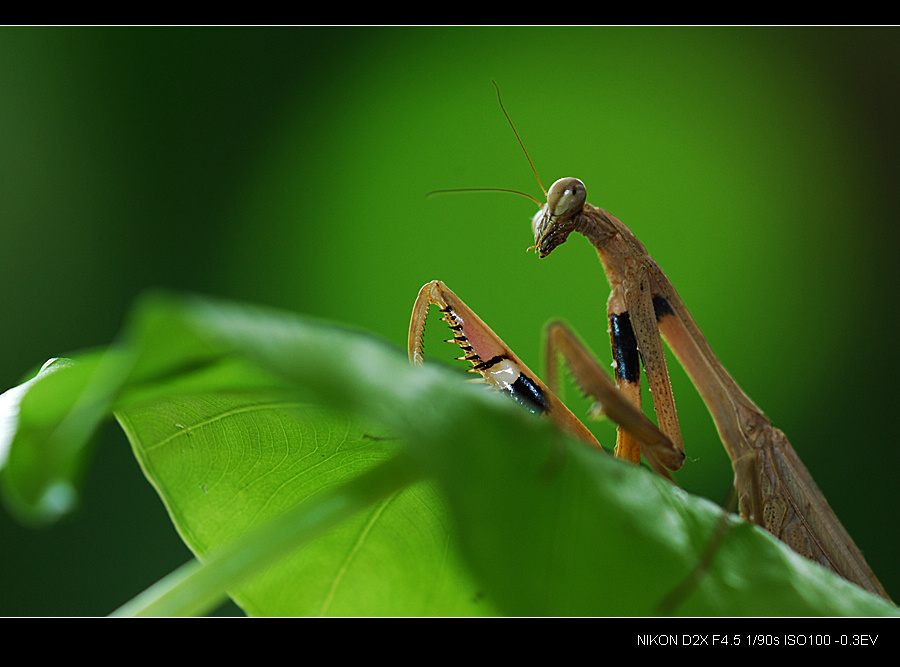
pixel 774 488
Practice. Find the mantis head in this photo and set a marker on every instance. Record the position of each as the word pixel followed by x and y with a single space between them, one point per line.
pixel 555 221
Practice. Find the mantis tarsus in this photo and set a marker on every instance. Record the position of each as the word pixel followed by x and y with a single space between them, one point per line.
pixel 774 488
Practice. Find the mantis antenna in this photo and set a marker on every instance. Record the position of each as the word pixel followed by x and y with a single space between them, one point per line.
pixel 516 132
pixel 527 157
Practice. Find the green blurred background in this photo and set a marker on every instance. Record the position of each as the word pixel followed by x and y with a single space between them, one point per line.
pixel 289 167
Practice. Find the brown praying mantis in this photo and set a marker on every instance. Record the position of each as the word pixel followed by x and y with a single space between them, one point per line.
pixel 774 488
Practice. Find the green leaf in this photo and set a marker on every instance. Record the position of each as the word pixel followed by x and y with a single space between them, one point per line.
pixel 225 466
pixel 313 471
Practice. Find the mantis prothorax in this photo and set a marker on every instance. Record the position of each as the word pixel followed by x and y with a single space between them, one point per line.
pixel 774 488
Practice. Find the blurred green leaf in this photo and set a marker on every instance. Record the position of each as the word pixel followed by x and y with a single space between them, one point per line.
pixel 264 432
pixel 61 410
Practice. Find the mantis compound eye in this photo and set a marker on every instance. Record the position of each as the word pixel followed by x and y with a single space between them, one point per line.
pixel 565 197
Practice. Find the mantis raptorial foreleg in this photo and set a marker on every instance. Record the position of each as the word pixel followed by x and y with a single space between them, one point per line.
pixel 503 370
pixel 621 407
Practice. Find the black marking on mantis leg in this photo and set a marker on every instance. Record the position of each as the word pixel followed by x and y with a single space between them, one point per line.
pixel 661 307
pixel 528 394
pixel 524 390
pixel 625 349
pixel 484 365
